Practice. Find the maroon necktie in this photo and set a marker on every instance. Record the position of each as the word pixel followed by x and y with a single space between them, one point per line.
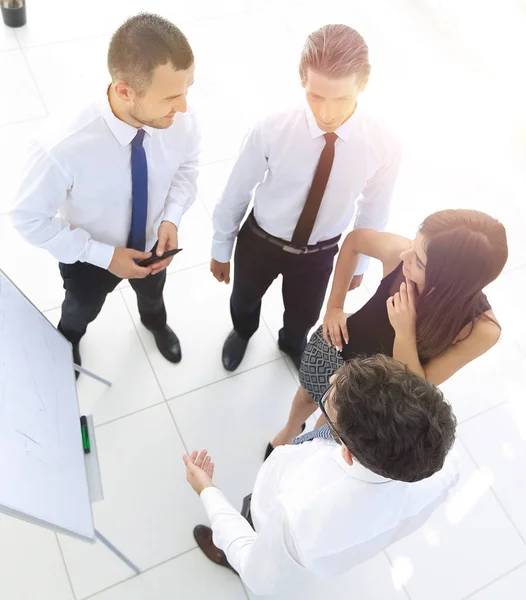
pixel 301 235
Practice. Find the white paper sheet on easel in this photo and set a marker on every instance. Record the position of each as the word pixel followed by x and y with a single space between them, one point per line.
pixel 42 468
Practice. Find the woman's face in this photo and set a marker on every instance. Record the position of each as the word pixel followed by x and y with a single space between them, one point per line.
pixel 415 259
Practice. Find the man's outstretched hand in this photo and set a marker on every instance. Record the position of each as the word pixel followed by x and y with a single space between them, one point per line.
pixel 199 470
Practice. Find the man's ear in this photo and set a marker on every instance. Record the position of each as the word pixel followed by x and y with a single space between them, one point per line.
pixel 123 91
pixel 347 456
pixel 363 83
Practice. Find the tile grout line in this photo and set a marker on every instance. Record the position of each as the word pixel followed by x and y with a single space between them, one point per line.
pixel 169 274
pixel 57 42
pixel 20 122
pixel 134 576
pixel 184 393
pixel 126 287
pixel 33 79
pixel 499 578
pixel 483 412
pixel 495 495
pixel 131 414
pixel 143 347
pixel 65 567
pixel 392 570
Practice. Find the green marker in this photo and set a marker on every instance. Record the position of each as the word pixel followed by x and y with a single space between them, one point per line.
pixel 85 435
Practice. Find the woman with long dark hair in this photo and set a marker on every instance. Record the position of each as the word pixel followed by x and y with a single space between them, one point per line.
pixel 429 311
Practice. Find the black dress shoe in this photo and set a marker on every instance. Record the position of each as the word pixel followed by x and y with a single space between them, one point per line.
pixel 168 344
pixel 76 358
pixel 270 448
pixel 233 350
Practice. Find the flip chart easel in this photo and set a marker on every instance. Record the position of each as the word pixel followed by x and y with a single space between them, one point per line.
pixel 45 477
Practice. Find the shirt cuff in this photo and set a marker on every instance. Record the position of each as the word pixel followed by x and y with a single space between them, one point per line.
pixel 215 501
pixel 222 251
pixel 99 254
pixel 174 214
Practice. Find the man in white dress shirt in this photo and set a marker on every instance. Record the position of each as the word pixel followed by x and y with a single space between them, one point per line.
pixel 322 506
pixel 308 167
pixel 101 188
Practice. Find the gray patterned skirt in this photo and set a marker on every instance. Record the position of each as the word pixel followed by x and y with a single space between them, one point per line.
pixel 318 364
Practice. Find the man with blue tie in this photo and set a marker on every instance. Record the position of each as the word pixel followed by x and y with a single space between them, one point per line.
pixel 120 175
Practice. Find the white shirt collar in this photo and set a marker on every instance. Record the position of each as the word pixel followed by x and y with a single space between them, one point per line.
pixel 358 471
pixel 121 130
pixel 343 132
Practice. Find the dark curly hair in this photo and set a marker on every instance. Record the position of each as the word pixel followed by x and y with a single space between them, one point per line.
pixel 395 423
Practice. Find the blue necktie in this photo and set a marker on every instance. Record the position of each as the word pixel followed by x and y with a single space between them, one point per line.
pixel 139 169
pixel 323 432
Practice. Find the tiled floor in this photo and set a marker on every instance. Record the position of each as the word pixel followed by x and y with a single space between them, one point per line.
pixel 436 80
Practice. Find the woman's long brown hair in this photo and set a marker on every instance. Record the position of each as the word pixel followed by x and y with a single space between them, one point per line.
pixel 466 250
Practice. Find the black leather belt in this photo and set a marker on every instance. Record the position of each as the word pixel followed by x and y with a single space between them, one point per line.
pixel 286 246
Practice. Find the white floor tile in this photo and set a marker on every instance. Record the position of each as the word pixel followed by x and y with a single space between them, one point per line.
pixel 497 441
pixel 32 269
pixel 195 237
pixel 370 581
pixel 14 142
pixel 73 20
pixel 242 42
pixel 84 61
pixel 8 39
pixel 505 296
pixel 509 587
pixel 255 404
pixel 198 311
pixel 479 385
pixel 191 576
pixel 19 100
pixel 222 123
pixel 454 554
pixel 148 507
pixel 112 349
pixel 32 566
pixel 212 181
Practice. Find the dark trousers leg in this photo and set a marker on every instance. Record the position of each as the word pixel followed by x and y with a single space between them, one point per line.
pixel 256 264
pixel 245 510
pixel 150 300
pixel 305 280
pixel 86 289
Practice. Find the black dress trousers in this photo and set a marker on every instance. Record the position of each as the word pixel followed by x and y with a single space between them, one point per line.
pixel 257 262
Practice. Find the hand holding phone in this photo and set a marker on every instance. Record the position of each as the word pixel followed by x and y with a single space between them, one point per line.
pixel 154 258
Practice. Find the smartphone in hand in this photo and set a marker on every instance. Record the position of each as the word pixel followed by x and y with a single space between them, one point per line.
pixel 154 258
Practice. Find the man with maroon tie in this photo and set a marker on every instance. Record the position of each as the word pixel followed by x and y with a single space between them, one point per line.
pixel 308 167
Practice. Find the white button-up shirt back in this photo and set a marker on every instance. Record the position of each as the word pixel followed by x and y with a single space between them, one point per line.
pixel 316 515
